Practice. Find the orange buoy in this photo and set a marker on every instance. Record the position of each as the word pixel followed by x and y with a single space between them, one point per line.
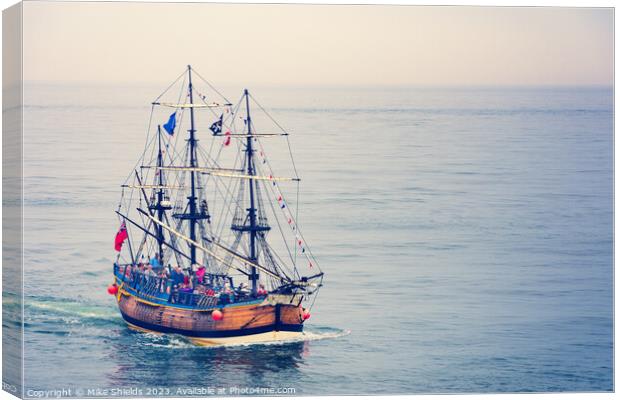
pixel 217 315
pixel 112 289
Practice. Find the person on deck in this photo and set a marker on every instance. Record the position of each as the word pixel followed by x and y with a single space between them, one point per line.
pixel 163 278
pixel 261 290
pixel 177 276
pixel 149 271
pixel 243 289
pixel 185 291
pixel 155 262
pixel 227 291
pixel 186 286
pixel 200 274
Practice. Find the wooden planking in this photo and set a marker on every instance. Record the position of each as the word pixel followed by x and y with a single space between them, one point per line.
pixel 234 318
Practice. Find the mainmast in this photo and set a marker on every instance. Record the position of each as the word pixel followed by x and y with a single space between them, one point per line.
pixel 251 224
pixel 252 209
pixel 192 163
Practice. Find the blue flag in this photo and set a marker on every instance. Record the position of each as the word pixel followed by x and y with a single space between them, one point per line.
pixel 172 122
pixel 216 127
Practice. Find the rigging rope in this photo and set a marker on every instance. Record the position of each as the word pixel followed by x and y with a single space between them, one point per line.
pixel 230 205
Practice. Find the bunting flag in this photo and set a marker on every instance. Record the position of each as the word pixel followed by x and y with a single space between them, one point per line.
pixel 227 140
pixel 288 215
pixel 171 124
pixel 121 235
pixel 216 127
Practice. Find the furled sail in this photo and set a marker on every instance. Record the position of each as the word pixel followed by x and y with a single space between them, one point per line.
pixel 254 177
pixel 191 105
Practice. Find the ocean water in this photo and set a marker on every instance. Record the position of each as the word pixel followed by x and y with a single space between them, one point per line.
pixel 466 235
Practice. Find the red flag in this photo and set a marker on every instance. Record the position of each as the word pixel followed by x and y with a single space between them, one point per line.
pixel 227 140
pixel 121 235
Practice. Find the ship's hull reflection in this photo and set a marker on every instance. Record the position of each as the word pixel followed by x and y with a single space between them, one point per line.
pixel 174 363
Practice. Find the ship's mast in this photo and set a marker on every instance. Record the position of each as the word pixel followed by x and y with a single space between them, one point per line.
pixel 252 209
pixel 160 197
pixel 192 216
pixel 157 200
pixel 192 163
pixel 252 223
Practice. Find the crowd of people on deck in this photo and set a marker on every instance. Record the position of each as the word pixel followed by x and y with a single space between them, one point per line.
pixel 181 284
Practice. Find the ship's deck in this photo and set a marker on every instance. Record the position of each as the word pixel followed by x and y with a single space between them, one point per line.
pixel 160 291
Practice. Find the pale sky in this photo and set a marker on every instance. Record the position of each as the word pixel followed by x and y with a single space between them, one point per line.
pixel 318 45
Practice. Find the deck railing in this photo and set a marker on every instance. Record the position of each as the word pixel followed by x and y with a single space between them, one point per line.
pixel 165 289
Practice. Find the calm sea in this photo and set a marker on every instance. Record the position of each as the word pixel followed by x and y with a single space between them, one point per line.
pixel 466 235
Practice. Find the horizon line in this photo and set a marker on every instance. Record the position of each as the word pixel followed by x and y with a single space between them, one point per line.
pixel 336 85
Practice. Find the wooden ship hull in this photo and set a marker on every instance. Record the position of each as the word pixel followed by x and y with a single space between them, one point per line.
pixel 274 317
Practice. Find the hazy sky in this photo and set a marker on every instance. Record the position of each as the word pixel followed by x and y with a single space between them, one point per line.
pixel 313 45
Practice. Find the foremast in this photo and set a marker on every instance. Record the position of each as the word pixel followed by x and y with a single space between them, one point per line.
pixel 193 215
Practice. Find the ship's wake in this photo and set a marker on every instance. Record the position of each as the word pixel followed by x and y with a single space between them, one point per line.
pixel 66 314
pixel 81 311
pixel 311 334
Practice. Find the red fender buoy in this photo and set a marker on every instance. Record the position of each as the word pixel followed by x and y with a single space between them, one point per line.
pixel 217 315
pixel 112 289
pixel 305 314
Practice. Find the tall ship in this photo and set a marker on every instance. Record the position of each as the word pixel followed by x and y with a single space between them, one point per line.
pixel 208 245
